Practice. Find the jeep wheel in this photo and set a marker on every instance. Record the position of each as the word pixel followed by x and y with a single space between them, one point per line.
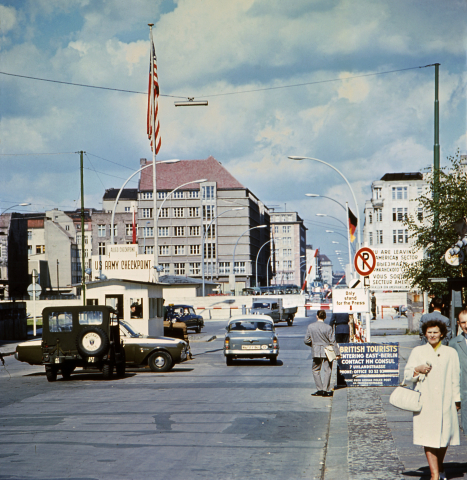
pixel 92 342
pixel 160 362
pixel 51 372
pixel 67 370
pixel 107 371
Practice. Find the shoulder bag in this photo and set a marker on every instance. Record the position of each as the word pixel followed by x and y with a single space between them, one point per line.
pixel 406 399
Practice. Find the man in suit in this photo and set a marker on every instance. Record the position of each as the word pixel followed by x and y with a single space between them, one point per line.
pixel 459 343
pixel 340 323
pixel 437 304
pixel 318 336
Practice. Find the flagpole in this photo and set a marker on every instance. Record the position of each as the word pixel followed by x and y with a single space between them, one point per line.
pixel 153 128
pixel 348 236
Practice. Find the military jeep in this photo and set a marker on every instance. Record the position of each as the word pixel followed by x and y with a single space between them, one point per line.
pixel 87 337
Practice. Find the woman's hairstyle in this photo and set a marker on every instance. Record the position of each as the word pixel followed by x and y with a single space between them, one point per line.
pixel 435 323
pixel 321 314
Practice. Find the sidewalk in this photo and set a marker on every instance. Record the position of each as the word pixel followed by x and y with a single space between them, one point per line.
pixel 369 439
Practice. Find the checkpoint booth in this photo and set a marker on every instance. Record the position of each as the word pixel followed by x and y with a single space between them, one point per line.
pixel 141 304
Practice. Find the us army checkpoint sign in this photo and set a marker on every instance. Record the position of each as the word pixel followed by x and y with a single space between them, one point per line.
pixel 350 300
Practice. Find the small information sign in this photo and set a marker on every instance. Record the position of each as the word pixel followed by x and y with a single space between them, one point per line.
pixel 370 364
pixel 350 300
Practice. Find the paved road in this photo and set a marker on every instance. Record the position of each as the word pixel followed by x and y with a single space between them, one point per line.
pixel 203 420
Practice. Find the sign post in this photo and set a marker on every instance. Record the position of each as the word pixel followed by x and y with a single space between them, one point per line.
pixel 34 289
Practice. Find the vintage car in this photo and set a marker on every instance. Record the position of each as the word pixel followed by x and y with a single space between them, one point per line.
pixel 274 308
pixel 251 336
pixel 185 314
pixel 159 353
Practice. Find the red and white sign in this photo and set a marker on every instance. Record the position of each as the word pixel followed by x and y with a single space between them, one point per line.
pixel 365 261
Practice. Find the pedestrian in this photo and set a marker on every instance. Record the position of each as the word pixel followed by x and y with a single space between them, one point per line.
pixel 434 370
pixel 459 343
pixel 373 305
pixel 340 323
pixel 318 336
pixel 437 305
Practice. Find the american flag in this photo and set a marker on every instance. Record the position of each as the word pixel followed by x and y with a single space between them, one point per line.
pixel 153 95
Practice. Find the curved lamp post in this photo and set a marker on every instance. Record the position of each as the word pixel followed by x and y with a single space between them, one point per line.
pixel 314 195
pixel 330 216
pixel 17 205
pixel 204 237
pixel 257 255
pixel 233 259
pixel 346 181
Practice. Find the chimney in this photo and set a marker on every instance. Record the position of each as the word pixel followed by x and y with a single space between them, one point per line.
pixel 142 161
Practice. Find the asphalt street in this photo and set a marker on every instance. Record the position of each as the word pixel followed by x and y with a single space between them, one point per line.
pixel 201 420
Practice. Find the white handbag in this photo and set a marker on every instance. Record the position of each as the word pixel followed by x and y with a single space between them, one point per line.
pixel 330 353
pixel 406 399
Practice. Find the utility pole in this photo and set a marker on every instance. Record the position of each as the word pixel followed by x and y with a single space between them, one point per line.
pixel 83 284
pixel 436 151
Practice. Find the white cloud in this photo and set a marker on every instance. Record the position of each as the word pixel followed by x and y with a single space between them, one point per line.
pixel 8 19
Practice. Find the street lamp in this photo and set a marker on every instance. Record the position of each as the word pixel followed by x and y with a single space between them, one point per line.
pixel 314 195
pixel 329 216
pixel 204 237
pixel 346 181
pixel 17 205
pixel 257 255
pixel 233 259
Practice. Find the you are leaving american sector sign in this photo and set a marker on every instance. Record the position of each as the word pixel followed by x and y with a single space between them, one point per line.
pixel 389 273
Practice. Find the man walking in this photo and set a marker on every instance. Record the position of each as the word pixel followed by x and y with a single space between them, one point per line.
pixel 437 304
pixel 319 336
pixel 340 323
pixel 459 343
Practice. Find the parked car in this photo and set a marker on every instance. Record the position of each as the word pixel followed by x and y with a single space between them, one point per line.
pixel 185 314
pixel 251 336
pixel 274 307
pixel 159 353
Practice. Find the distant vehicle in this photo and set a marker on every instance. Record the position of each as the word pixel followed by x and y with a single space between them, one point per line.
pixel 159 353
pixel 274 308
pixel 288 289
pixel 250 336
pixel 185 314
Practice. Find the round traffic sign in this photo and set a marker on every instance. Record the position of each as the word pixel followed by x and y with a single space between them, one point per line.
pixel 454 260
pixel 365 261
pixel 34 287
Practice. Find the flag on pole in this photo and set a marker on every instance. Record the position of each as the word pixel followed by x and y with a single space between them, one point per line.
pixel 153 127
pixel 352 224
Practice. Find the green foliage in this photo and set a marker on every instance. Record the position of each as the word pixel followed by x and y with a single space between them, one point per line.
pixel 433 241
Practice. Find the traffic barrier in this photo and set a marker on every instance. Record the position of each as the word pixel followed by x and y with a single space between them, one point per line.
pixel 388 306
pixel 359 336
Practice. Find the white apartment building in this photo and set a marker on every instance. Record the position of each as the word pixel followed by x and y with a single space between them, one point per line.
pixel 393 198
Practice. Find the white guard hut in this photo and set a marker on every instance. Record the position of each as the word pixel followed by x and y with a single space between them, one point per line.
pixel 141 304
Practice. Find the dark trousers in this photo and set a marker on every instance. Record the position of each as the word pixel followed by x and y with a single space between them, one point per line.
pixel 341 338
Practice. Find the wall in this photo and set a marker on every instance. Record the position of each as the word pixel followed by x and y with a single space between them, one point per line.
pixel 13 322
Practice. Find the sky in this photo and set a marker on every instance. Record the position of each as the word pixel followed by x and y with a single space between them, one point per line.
pixel 304 78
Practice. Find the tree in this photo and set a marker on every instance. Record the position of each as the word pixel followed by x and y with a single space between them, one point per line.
pixel 433 241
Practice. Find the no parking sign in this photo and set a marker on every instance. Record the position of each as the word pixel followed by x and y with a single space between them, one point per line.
pixel 365 261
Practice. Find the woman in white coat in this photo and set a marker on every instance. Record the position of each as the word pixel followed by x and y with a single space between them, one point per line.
pixel 434 369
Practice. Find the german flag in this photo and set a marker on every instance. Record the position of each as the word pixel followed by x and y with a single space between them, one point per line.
pixel 352 224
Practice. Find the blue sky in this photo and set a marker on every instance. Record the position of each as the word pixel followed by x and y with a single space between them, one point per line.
pixel 366 126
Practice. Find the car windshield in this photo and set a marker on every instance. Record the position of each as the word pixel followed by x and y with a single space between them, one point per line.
pixel 260 305
pixel 130 330
pixel 246 325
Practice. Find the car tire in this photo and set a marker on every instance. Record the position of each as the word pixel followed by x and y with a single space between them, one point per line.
pixel 107 371
pixel 160 362
pixel 290 321
pixel 67 370
pixel 198 329
pixel 120 367
pixel 273 359
pixel 92 342
pixel 229 361
pixel 51 373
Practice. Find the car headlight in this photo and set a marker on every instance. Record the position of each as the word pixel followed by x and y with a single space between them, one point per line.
pixel 227 343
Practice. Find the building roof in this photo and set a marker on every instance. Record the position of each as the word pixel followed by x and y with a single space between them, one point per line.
pixel 127 193
pixel 324 258
pixel 177 279
pixel 391 177
pixel 172 175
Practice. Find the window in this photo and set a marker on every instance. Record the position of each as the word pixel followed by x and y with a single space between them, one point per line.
pixel 128 229
pixel 179 212
pixel 163 231
pixel 179 269
pixel 399 193
pixel 101 230
pixel 195 268
pixel 287 264
pixel 29 250
pixel 208 212
pixel 193 211
pixel 40 248
pixel 136 307
pixel 370 238
pixel 149 249
pixel 194 249
pixel 377 193
pixel 161 195
pixel 179 231
pixel 67 228
pixel 101 248
pixel 286 252
pixel 147 231
pixel 276 228
pixel 379 237
pixel 400 236
pixel 370 217
pixel 194 231
pixel 127 209
pixel 193 194
pixel 212 231
pixel 164 250
pixel 115 229
pixel 208 192
pixel 224 267
pixel 179 249
pixel 178 194
pixel 399 214
pixel 60 322
pixel 146 195
pixel 90 318
pixel 147 212
pixel 286 229
pixel 209 250
pixel 164 213
pixel 240 267
pixel 166 267
pixel 29 234
pixel 420 214
pixel 287 240
pixel 378 215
